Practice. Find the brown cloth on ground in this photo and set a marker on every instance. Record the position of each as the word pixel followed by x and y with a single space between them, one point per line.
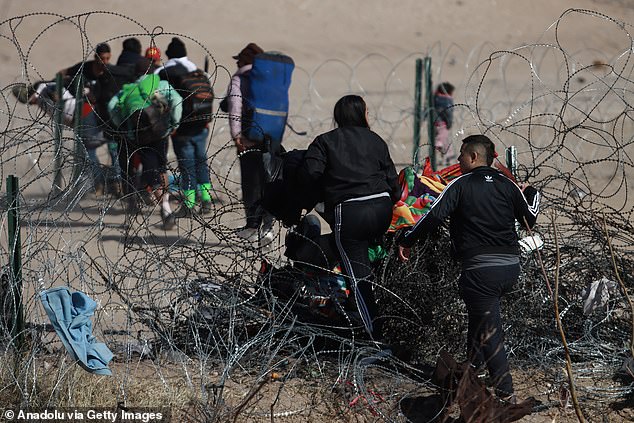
pixel 458 383
pixel 477 404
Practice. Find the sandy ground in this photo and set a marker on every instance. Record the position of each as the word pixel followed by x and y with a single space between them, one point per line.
pixel 313 31
pixel 338 47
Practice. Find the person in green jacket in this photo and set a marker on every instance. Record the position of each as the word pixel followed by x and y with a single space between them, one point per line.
pixel 146 113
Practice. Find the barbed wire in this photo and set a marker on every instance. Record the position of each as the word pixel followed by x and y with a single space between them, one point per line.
pixel 193 300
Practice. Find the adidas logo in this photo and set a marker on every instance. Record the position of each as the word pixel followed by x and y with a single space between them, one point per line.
pixel 488 178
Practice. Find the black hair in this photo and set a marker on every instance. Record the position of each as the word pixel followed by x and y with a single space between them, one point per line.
pixel 143 66
pixel 102 48
pixel 132 45
pixel 350 111
pixel 175 49
pixel 481 144
pixel 445 88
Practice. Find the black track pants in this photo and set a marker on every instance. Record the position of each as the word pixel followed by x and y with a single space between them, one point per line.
pixel 481 289
pixel 355 225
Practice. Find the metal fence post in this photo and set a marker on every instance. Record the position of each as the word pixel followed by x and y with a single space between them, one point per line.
pixel 417 109
pixel 58 129
pixel 431 113
pixel 15 257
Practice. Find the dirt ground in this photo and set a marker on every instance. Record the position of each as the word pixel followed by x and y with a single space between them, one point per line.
pixel 283 396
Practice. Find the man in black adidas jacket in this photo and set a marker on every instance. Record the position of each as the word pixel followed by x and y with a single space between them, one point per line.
pixel 483 206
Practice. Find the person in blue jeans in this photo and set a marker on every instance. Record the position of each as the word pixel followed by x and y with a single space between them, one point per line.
pixel 190 139
pixel 92 137
pixel 191 152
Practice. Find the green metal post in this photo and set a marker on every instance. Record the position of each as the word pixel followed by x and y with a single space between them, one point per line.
pixel 417 109
pixel 511 160
pixel 15 257
pixel 57 119
pixel 511 164
pixel 431 113
pixel 80 150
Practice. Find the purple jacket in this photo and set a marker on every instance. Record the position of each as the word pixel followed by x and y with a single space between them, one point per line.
pixel 234 96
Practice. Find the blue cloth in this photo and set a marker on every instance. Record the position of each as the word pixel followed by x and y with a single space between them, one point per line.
pixel 191 152
pixel 70 316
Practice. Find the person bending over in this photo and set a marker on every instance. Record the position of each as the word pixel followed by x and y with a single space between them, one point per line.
pixel 353 166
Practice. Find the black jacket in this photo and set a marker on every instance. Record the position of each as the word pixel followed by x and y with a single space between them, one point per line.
pixel 101 87
pixel 483 206
pixel 349 162
pixel 128 58
pixel 174 75
pixel 284 197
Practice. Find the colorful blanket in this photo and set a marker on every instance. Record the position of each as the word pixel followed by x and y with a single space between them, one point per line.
pixel 420 189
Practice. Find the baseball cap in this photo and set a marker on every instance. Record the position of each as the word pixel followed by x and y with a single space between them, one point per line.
pixel 153 53
pixel 247 53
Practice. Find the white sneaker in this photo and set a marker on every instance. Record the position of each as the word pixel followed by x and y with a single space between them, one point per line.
pixel 248 234
pixel 266 236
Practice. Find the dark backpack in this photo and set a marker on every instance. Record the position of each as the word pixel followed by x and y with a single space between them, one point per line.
pixel 152 123
pixel 198 97
pixel 282 196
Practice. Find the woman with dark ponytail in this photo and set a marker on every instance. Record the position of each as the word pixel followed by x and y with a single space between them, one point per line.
pixel 353 166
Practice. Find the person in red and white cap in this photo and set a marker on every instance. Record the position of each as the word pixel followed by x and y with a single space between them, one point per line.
pixel 154 54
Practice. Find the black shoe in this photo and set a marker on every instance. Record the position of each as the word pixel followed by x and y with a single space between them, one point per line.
pixel 132 205
pixel 169 220
pixel 508 399
pixel 206 207
pixel 114 188
pixel 183 212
